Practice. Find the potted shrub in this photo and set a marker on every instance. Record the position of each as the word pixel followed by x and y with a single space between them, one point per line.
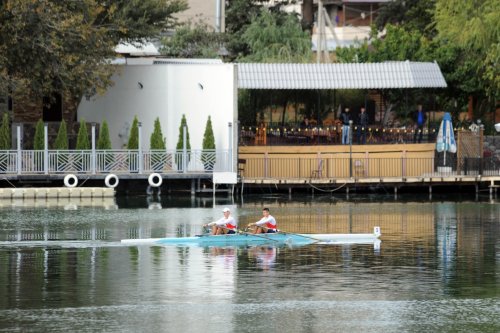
pixel 157 147
pixel 38 145
pixel 62 144
pixel 5 142
pixel 180 144
pixel 82 144
pixel 208 153
pixel 133 144
pixel 104 143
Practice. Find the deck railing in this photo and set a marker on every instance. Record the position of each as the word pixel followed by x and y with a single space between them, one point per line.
pixel 114 161
pixel 330 135
pixel 343 168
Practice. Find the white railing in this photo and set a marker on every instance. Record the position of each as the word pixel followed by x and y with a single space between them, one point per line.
pixel 114 161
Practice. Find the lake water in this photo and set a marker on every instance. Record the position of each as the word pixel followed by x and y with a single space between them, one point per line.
pixel 437 269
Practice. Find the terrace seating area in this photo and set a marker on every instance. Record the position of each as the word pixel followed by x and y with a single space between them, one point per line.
pixel 328 135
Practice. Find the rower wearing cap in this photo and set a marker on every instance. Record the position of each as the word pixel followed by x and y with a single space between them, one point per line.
pixel 226 225
pixel 267 224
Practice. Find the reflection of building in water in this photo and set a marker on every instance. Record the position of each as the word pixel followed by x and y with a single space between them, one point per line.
pixel 398 220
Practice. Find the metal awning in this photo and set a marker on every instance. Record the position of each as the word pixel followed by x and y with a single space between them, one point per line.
pixel 385 75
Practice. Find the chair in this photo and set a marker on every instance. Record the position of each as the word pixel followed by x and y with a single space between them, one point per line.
pixel 318 173
pixel 241 166
pixel 359 168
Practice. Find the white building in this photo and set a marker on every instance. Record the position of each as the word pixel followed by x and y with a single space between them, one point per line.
pixel 150 88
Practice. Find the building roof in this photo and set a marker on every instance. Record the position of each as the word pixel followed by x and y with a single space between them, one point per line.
pixel 386 75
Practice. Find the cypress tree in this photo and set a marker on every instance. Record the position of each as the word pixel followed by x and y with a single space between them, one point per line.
pixel 82 140
pixel 157 141
pixel 5 138
pixel 104 142
pixel 62 137
pixel 207 156
pixel 180 142
pixel 38 141
pixel 208 137
pixel 133 139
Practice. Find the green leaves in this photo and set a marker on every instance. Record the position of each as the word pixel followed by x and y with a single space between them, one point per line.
pixel 82 140
pixel 39 141
pixel 133 139
pixel 157 141
pixel 208 136
pixel 180 141
pixel 48 46
pixel 276 38
pixel 62 137
pixel 5 135
pixel 103 142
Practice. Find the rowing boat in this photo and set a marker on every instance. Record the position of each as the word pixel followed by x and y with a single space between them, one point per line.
pixel 278 238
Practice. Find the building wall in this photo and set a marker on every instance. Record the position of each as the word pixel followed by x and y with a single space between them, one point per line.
pixel 202 10
pixel 168 92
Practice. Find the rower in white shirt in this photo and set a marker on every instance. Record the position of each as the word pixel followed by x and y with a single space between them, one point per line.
pixel 267 224
pixel 226 225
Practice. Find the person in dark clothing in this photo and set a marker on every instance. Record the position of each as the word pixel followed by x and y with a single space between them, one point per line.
pixel 362 126
pixel 419 118
pixel 345 117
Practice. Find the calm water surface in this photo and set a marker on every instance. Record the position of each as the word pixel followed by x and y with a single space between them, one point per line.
pixel 63 268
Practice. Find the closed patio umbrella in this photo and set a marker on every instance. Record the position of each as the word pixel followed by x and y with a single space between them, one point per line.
pixel 446 139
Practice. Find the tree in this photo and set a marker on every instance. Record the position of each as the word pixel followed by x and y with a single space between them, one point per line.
pixel 179 159
pixel 82 139
pixel 133 139
pixel 157 141
pixel 65 46
pixel 62 137
pixel 474 26
pixel 208 154
pixel 180 141
pixel 410 15
pixel 103 142
pixel 193 41
pixel 276 37
pixel 5 135
pixel 39 139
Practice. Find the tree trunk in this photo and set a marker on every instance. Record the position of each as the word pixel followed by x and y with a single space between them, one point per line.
pixel 307 14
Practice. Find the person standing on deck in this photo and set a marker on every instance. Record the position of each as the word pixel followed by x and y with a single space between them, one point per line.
pixel 267 224
pixel 362 126
pixel 345 117
pixel 226 225
pixel 419 118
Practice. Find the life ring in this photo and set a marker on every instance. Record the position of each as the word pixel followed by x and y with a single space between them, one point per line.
pixel 70 180
pixel 111 180
pixel 155 180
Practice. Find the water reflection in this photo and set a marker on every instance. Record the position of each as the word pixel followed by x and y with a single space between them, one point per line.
pixel 438 269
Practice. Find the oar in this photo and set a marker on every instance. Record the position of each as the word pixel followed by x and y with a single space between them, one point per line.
pixel 316 240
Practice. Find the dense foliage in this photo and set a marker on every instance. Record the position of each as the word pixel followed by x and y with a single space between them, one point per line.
pixel 180 141
pixel 157 141
pixel 133 139
pixel 62 137
pixel 82 139
pixel 104 142
pixel 5 135
pixel 39 139
pixel 48 46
